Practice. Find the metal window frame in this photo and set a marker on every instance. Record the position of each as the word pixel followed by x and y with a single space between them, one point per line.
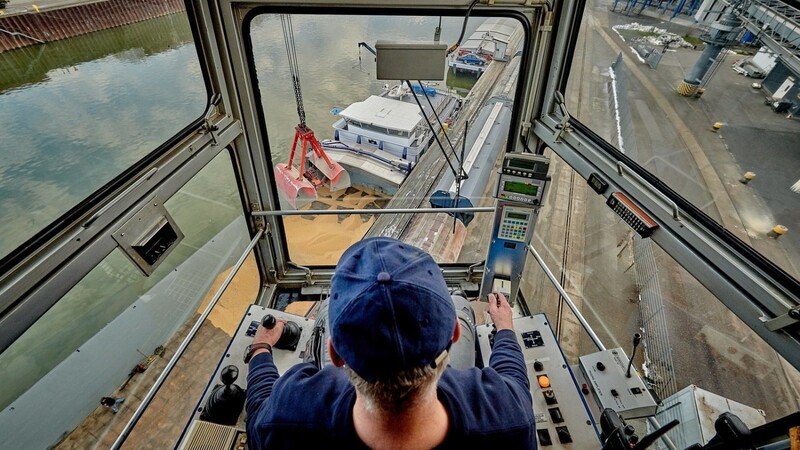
pixel 233 19
pixel 752 287
pixel 81 239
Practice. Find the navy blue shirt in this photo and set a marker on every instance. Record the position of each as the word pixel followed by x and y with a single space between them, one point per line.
pixel 309 407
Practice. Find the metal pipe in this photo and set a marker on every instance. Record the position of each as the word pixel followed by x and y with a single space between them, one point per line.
pixel 315 212
pixel 567 299
pixel 665 439
pixel 179 352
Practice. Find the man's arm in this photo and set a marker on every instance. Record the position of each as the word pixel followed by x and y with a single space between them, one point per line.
pixel 506 356
pixel 262 373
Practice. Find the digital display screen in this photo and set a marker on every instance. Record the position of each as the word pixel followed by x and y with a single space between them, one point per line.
pixel 521 163
pixel 521 188
pixel 517 216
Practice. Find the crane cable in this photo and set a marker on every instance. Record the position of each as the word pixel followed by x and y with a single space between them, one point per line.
pixel 463 28
pixel 294 68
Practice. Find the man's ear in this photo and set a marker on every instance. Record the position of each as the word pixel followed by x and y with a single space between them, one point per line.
pixel 335 358
pixel 457 331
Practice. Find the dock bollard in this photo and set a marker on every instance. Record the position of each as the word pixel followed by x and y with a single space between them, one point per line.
pixel 716 126
pixel 777 231
pixel 747 177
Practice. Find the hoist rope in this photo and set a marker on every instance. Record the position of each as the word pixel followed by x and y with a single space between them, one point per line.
pixel 294 67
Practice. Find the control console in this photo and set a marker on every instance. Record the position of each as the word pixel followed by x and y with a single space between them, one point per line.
pixel 616 385
pixel 219 416
pixel 563 420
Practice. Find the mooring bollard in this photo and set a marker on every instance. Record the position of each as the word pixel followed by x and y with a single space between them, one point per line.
pixel 747 177
pixel 777 231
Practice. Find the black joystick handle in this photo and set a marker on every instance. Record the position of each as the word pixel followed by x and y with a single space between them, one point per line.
pixel 269 321
pixel 226 401
pixel 229 375
pixel 290 336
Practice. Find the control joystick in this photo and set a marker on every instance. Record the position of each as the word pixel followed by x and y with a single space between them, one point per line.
pixel 226 400
pixel 290 336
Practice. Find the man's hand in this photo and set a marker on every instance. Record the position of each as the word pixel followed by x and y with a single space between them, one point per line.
pixel 270 336
pixel 500 312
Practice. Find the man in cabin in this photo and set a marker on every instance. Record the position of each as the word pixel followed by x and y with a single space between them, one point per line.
pixel 392 324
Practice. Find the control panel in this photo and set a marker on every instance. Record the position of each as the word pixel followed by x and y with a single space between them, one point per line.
pixel 522 178
pixel 219 416
pixel 515 224
pixel 563 420
pixel 519 191
pixel 606 373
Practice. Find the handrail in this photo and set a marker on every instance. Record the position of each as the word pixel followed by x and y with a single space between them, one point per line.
pixel 567 299
pixel 179 352
pixel 316 212
pixel 622 169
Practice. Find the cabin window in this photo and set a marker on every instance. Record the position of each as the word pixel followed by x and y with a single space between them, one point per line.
pixel 89 329
pixel 691 337
pixel 84 109
pixel 331 73
pixel 702 130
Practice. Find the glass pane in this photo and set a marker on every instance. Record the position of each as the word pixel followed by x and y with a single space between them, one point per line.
pixel 77 112
pixel 373 130
pixel 710 114
pixel 115 318
pixel 623 284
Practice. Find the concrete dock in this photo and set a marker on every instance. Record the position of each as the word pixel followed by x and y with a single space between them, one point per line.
pixel 25 23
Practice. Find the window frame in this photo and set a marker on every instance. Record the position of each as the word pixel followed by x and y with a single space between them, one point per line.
pixel 39 272
pixel 289 273
pixel 759 292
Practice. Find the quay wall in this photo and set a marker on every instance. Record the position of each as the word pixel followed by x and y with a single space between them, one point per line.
pixel 47 25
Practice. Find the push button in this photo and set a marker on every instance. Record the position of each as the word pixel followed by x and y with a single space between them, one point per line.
pixel 544 381
pixel 555 414
pixel 564 435
pixel 544 437
pixel 550 397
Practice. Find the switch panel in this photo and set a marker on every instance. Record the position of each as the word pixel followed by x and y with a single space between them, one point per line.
pixel 563 420
pixel 605 374
pixel 631 214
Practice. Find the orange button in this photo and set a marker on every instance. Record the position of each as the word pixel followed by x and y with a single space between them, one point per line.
pixel 544 381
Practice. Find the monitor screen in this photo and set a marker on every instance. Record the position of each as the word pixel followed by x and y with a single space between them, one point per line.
pixel 521 188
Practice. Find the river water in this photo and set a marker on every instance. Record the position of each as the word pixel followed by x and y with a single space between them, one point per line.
pixel 75 113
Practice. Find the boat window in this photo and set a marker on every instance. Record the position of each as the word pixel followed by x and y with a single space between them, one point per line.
pixel 624 284
pixel 710 114
pixel 336 71
pixel 85 109
pixel 97 327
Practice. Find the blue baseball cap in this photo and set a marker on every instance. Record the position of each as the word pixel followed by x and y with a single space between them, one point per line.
pixel 389 309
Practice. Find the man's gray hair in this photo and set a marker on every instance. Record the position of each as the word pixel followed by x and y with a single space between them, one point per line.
pixel 397 393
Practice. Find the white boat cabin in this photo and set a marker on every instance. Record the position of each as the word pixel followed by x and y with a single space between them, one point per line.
pixel 390 125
